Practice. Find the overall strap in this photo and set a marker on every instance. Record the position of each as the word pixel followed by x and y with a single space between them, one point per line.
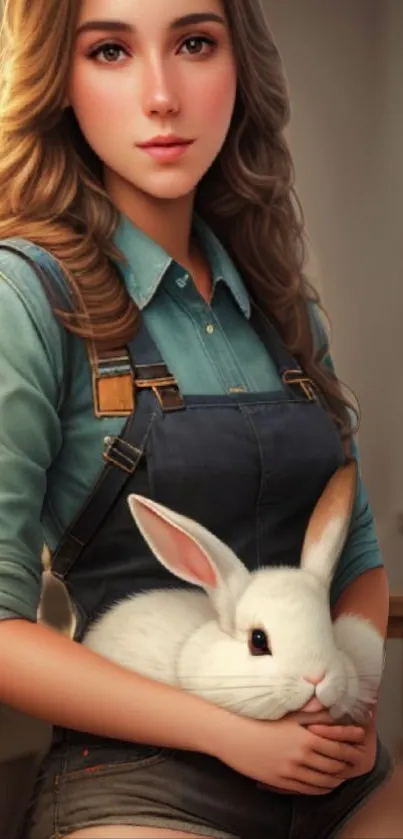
pixel 292 375
pixel 117 375
pixel 126 452
pixel 290 371
pixel 150 371
pixel 46 268
pixel 122 456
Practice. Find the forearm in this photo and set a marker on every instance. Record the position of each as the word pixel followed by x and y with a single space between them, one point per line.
pixel 48 676
pixel 368 597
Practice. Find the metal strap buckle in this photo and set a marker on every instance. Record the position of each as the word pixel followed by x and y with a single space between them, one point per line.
pixel 122 454
pixel 297 377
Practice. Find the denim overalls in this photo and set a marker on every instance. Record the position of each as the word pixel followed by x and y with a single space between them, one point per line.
pixel 248 466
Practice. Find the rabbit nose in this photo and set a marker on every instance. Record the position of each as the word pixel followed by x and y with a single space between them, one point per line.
pixel 315 680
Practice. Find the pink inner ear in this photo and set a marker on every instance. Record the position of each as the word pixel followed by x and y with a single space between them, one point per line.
pixel 181 554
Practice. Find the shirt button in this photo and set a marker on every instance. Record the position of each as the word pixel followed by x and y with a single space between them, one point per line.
pixel 181 282
pixel 210 329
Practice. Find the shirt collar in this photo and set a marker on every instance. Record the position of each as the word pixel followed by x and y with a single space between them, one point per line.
pixel 148 263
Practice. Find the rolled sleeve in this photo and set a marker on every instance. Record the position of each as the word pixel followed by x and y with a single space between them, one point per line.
pixel 30 432
pixel 361 551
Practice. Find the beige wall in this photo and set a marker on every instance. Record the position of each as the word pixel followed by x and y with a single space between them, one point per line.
pixel 344 63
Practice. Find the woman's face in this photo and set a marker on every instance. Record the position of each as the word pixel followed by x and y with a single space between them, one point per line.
pixel 146 69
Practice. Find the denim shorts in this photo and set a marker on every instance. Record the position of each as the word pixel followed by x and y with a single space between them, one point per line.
pixel 99 782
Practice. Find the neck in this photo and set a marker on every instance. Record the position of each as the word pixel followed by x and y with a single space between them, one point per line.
pixel 167 222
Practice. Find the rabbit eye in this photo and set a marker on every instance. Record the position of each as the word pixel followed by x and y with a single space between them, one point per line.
pixel 258 643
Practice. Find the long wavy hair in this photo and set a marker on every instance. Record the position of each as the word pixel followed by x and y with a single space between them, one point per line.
pixel 52 193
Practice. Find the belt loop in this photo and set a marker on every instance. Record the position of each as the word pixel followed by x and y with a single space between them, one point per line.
pixel 158 378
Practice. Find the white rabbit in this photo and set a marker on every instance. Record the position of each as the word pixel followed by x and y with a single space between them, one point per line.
pixel 261 644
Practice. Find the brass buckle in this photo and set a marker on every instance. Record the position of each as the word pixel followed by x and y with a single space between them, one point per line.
pixel 165 390
pixel 166 381
pixel 297 377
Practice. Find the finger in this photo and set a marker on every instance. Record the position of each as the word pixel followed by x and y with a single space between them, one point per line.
pixel 343 733
pixel 346 719
pixel 305 775
pixel 328 765
pixel 291 787
pixel 306 718
pixel 296 787
pixel 338 751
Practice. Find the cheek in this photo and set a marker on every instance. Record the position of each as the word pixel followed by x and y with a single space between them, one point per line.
pixel 215 99
pixel 99 103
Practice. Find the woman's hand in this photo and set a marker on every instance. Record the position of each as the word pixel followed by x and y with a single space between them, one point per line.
pixel 287 755
pixel 365 752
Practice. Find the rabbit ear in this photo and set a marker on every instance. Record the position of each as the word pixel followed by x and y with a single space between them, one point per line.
pixel 192 553
pixel 328 526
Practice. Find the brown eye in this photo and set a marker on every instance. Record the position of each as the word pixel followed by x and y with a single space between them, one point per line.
pixel 108 53
pixel 258 643
pixel 199 45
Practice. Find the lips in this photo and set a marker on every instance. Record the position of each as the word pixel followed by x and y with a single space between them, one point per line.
pixel 165 142
pixel 165 150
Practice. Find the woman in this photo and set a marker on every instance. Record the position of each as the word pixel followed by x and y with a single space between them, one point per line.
pixel 148 225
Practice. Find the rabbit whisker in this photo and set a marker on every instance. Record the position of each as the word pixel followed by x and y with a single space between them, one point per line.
pixel 225 683
pixel 365 675
pixel 266 691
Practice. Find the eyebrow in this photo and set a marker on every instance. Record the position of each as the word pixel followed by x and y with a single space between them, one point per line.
pixel 121 26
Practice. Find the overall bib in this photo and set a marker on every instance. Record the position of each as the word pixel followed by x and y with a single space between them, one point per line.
pixel 250 467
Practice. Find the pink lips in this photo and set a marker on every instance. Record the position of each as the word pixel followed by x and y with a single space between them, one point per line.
pixel 166 149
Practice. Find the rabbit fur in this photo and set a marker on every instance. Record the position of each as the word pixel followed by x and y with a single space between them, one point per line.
pixel 201 640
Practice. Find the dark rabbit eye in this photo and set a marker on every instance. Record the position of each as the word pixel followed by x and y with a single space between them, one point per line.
pixel 258 643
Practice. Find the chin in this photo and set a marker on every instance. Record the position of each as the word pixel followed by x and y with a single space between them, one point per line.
pixel 170 181
pixel 168 194
pixel 172 190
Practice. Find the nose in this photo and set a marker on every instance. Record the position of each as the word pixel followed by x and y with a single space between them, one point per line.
pixel 159 90
pixel 315 680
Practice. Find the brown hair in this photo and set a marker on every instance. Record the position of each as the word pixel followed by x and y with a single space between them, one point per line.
pixel 51 188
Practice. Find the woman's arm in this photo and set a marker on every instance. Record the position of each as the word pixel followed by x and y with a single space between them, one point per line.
pixel 368 597
pixel 361 556
pixel 48 676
